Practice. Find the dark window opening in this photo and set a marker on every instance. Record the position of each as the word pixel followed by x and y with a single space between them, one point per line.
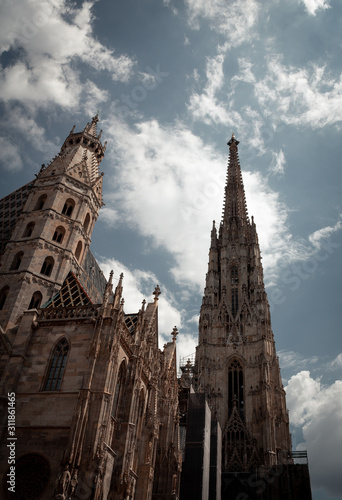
pixel 234 279
pixel 234 275
pixel 41 202
pixel 32 477
pixel 35 300
pixel 28 230
pixel 119 390
pixel 3 296
pixel 47 266
pixel 57 366
pixel 86 222
pixel 235 301
pixel 68 207
pixel 58 235
pixel 78 250
pixel 17 261
pixel 235 388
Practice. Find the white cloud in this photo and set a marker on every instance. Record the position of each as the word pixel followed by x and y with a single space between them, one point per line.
pixel 18 120
pixel 186 346
pixel 305 96
pixel 10 155
pixel 312 6
pixel 234 19
pixel 278 163
pixel 214 104
pixel 194 319
pixel 337 362
pixel 318 237
pixel 245 75
pixel 206 106
pixel 318 409
pixel 292 359
pixel 50 39
pixel 170 186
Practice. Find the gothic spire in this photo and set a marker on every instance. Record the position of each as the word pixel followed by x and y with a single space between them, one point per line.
pixel 235 208
pixel 91 128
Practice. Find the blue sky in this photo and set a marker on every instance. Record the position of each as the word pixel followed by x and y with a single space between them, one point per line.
pixel 172 80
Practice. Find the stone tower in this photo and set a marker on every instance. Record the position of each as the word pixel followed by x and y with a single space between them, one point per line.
pixel 95 399
pixel 52 233
pixel 236 363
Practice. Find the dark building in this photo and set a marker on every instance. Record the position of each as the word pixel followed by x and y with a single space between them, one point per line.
pixel 99 412
pixel 236 370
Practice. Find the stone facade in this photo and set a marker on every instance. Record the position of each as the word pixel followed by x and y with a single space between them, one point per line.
pixel 96 400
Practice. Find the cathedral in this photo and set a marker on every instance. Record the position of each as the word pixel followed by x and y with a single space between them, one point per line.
pixel 91 406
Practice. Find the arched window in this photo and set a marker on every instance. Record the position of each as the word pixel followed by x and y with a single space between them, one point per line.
pixel 58 235
pixel 40 202
pixel 234 275
pixel 86 222
pixel 35 300
pixel 57 366
pixel 68 207
pixel 119 389
pixel 16 261
pixel 78 251
pixel 47 266
pixel 28 230
pixel 3 296
pixel 235 387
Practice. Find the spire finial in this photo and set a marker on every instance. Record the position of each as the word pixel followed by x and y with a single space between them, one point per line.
pixel 156 293
pixel 91 127
pixel 232 141
pixel 174 333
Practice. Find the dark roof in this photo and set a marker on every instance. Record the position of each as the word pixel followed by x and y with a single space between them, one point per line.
pixel 71 294
pixel 11 207
pixel 93 278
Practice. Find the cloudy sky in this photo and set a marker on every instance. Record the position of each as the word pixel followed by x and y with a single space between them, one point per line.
pixel 172 80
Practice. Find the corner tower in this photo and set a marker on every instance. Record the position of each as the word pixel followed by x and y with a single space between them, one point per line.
pixel 236 363
pixel 52 233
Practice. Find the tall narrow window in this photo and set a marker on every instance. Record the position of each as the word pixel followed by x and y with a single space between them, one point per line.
pixel 16 261
pixel 86 222
pixel 235 387
pixel 40 202
pixel 119 389
pixel 235 301
pixel 47 266
pixel 28 230
pixel 58 235
pixel 68 207
pixel 140 412
pixel 234 287
pixel 234 275
pixel 35 300
pixel 57 366
pixel 3 296
pixel 78 251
